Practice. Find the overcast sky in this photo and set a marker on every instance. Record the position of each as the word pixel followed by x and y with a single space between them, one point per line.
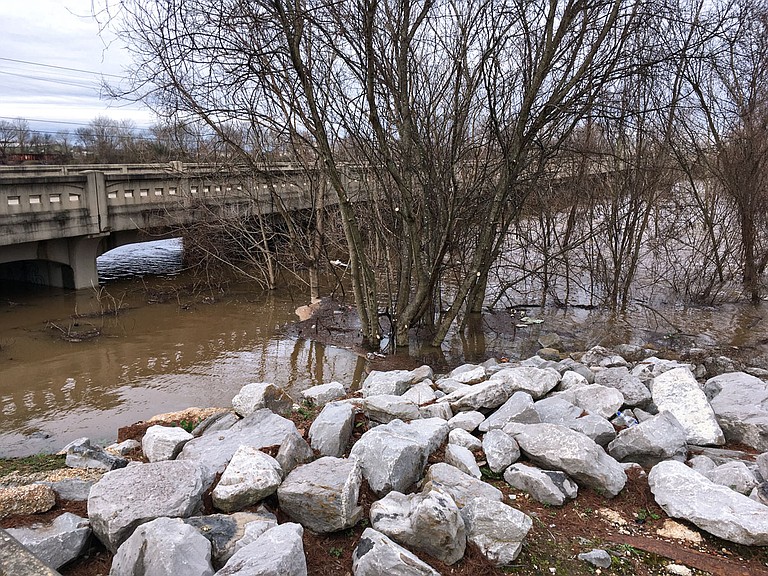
pixel 51 65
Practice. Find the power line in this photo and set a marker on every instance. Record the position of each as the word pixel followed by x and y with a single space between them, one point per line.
pixel 61 81
pixel 60 67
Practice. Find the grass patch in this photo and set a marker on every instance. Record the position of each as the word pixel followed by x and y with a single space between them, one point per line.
pixel 31 464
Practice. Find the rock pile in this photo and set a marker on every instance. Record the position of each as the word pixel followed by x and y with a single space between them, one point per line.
pixel 572 423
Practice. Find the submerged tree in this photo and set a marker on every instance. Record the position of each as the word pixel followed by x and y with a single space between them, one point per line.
pixel 449 113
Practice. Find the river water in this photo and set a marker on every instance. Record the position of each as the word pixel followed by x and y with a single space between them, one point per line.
pixel 69 367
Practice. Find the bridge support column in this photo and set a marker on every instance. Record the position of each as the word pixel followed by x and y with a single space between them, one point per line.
pixel 82 259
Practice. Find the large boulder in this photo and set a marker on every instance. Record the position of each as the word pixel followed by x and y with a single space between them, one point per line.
pixel 740 402
pixel 648 443
pixel 386 407
pixel 463 438
pixel 684 493
pixel 322 495
pixel 375 555
pixel 429 521
pixel 678 392
pixel 293 451
pixel 164 442
pixel 229 532
pixel 500 450
pixel 261 429
pixel 535 381
pixel 485 395
pixel 163 546
pixel 391 460
pixel 249 477
pixel 321 394
pixel 462 487
pixel 329 434
pixel 560 448
pixel 259 395
pixel 631 387
pixel 519 408
pixel 463 459
pixel 81 454
pixel 394 382
pixel 128 497
pixel 277 552
pixel 594 399
pixel 600 430
pixel 557 410
pixel 430 432
pixel 496 529
pixel 736 475
pixel 549 487
pixel 56 543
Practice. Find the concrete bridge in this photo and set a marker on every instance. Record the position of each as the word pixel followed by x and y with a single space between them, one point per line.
pixel 55 220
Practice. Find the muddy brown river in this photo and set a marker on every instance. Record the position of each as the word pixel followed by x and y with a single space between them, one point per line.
pixel 71 368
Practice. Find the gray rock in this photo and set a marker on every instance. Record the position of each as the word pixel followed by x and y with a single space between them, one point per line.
pixel 385 408
pixel 463 459
pixel 572 379
pixel 734 475
pixel 550 340
pixel 600 430
pixel 519 408
pixel 449 385
pixel 596 557
pixel 468 374
pixel 321 394
pixel 83 455
pixel 249 477
pixel 292 452
pixel 17 560
pixel 260 395
pixel 717 365
pixel 535 381
pixel 556 410
pixel 678 392
pixel 56 543
pixel 600 356
pixel 560 448
pixel 760 493
pixel 429 521
pixel 163 546
pixel 653 367
pixel 461 486
pixel 164 442
pixel 650 442
pixel 429 432
pixel 260 429
pixel 277 552
pixel 124 447
pixel 762 465
pixel 740 402
pixel 216 423
pixel 594 399
pixel 633 352
pixel 485 395
pixel 549 354
pixel 702 464
pixel 376 555
pixel 631 387
pixel 465 439
pixel 393 382
pixel 684 493
pixel 329 434
pixel 226 531
pixel 500 450
pixel 496 529
pixel 390 461
pixel 548 487
pixel 437 410
pixel 420 394
pixel 468 421
pixel 72 489
pixel 322 495
pixel 125 498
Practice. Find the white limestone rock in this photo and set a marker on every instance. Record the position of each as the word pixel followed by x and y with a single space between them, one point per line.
pixel 594 399
pixel 163 546
pixel 462 459
pixel 128 497
pixel 735 475
pixel 535 381
pixel 468 421
pixel 249 477
pixel 600 430
pixel 429 432
pixel 428 521
pixel 164 442
pixel 496 529
pixel 500 450
pixel 572 379
pixel 549 487
pixel 321 394
pixel 559 448
pixel 385 408
pixel 277 552
pixel 436 410
pixel 462 487
pixel 376 555
pixel 557 410
pixel 259 395
pixel 678 392
pixel 323 494
pixel 229 532
pixel 468 374
pixel 631 387
pixel 740 402
pixel 519 408
pixel 465 439
pixel 684 493
pixel 394 382
pixel 600 356
pixel 420 394
pixel 648 443
pixel 486 395
pixel 293 451
pixel 329 434
pixel 449 385
pixel 57 542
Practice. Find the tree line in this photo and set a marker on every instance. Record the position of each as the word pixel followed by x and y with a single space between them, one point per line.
pixel 580 146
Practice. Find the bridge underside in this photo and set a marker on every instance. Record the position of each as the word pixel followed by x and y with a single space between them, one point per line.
pixel 62 262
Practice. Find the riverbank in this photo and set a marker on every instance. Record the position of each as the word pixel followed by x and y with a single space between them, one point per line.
pixel 633 529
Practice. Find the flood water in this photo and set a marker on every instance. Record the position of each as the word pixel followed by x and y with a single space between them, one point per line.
pixel 71 368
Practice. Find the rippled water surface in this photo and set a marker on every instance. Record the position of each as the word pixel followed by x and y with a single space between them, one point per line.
pixel 69 367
